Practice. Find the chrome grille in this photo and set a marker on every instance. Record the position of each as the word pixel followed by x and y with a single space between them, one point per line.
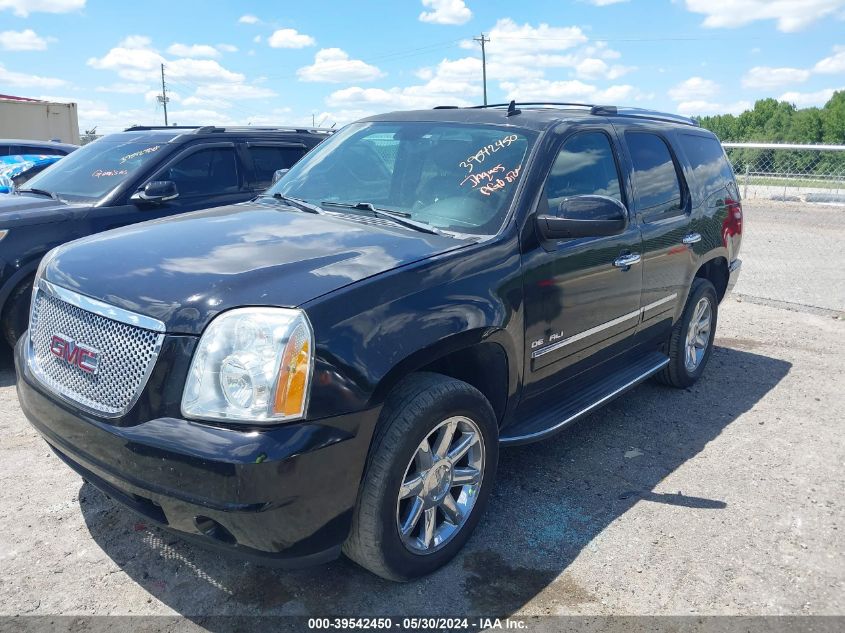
pixel 127 352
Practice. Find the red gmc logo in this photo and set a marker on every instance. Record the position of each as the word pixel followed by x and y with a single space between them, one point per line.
pixel 66 349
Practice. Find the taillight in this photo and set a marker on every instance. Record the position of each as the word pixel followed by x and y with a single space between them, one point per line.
pixel 732 224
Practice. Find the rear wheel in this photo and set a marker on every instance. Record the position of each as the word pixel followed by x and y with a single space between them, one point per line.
pixel 428 480
pixel 15 317
pixel 691 342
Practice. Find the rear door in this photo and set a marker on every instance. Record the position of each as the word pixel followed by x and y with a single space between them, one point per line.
pixel 580 305
pixel 662 205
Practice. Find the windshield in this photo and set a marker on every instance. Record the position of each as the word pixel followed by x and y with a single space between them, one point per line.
pixel 92 171
pixel 451 176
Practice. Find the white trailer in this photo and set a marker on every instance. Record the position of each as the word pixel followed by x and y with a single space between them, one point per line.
pixel 39 120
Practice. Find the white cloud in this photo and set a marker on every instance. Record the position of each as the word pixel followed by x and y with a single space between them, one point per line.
pixel 201 69
pixel 238 91
pixel 289 38
pixel 807 99
pixel 694 89
pixel 248 19
pixel 703 107
pixel 765 77
pixel 446 12
pixel 835 64
pixel 333 65
pixel 26 40
pixel 28 80
pixel 124 88
pixel 23 8
pixel 790 15
pixel 227 48
pixel 193 50
pixel 605 3
pixel 568 90
pixel 594 68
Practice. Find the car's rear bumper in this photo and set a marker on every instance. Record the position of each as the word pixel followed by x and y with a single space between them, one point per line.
pixel 283 495
pixel 733 274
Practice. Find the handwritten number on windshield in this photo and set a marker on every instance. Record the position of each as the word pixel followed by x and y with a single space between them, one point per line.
pixel 486 151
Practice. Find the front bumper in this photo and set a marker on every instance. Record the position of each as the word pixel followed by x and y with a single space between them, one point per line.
pixel 283 495
pixel 733 274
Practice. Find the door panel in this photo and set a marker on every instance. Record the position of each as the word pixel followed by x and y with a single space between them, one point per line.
pixel 577 303
pixel 662 202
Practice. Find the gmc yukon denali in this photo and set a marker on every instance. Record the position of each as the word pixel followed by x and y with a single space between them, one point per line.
pixel 333 366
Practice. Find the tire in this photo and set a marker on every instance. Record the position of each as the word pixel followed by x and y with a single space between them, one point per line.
pixel 15 318
pixel 679 372
pixel 413 410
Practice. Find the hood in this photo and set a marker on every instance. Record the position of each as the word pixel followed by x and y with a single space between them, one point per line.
pixel 186 269
pixel 16 210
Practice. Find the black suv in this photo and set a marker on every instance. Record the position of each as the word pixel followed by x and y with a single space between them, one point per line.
pixel 334 366
pixel 140 174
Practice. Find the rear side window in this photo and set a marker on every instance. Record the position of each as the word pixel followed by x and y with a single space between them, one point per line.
pixel 584 166
pixel 266 159
pixel 205 172
pixel 711 169
pixel 656 185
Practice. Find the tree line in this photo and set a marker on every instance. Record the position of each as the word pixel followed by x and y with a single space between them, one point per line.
pixel 773 121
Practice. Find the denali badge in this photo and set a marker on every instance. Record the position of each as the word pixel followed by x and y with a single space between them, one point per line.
pixel 66 349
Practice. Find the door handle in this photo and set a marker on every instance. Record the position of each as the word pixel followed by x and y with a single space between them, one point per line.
pixel 692 238
pixel 626 261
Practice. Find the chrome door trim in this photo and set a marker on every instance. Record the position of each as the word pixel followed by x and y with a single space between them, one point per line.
pixel 100 308
pixel 659 302
pixel 586 333
pixel 591 407
pixel 637 314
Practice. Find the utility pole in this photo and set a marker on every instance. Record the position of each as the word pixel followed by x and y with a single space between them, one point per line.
pixel 483 40
pixel 162 98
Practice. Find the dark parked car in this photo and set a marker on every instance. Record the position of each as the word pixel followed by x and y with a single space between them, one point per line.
pixel 16 146
pixel 140 174
pixel 334 366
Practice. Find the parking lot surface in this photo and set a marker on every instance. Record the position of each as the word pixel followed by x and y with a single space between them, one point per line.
pixel 725 498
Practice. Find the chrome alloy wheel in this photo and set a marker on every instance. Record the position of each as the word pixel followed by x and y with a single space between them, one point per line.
pixel 698 334
pixel 441 485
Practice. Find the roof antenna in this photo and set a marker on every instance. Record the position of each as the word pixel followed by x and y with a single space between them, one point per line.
pixel 512 109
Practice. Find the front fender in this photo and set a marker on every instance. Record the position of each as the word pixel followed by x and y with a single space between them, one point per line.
pixel 371 334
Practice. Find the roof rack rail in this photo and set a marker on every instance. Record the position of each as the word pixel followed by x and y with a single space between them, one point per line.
pixel 209 129
pixel 533 103
pixel 142 128
pixel 643 113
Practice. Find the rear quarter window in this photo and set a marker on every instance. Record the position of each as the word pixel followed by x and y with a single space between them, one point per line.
pixel 711 170
pixel 656 184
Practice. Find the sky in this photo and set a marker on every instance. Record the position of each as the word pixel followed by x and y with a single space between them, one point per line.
pixel 330 62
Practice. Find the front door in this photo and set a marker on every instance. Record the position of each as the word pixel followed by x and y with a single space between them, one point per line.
pixel 582 295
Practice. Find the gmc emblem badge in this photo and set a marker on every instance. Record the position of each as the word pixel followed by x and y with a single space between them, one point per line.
pixel 75 354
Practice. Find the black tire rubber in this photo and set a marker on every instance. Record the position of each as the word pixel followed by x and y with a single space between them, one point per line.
pixel 676 374
pixel 413 408
pixel 15 317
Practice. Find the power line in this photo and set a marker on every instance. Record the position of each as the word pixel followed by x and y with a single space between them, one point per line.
pixel 483 40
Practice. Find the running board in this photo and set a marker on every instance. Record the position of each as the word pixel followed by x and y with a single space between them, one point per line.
pixel 587 399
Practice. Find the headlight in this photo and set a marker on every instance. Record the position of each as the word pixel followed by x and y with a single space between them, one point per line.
pixel 252 365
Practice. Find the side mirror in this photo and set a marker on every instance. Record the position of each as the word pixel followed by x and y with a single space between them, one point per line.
pixel 278 175
pixel 156 191
pixel 584 216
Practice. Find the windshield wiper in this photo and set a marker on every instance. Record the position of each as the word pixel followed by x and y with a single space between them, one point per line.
pixel 302 205
pixel 399 217
pixel 40 192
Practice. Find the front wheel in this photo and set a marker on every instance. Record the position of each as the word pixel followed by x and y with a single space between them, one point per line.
pixel 428 479
pixel 691 342
pixel 15 317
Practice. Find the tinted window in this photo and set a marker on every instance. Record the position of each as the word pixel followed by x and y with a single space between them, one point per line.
pixel 266 159
pixel 205 172
pixel 656 182
pixel 452 176
pixel 584 166
pixel 711 169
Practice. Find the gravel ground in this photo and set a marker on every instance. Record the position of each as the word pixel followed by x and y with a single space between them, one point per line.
pixel 725 498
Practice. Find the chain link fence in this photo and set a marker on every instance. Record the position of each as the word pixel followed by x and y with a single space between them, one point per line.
pixel 776 171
